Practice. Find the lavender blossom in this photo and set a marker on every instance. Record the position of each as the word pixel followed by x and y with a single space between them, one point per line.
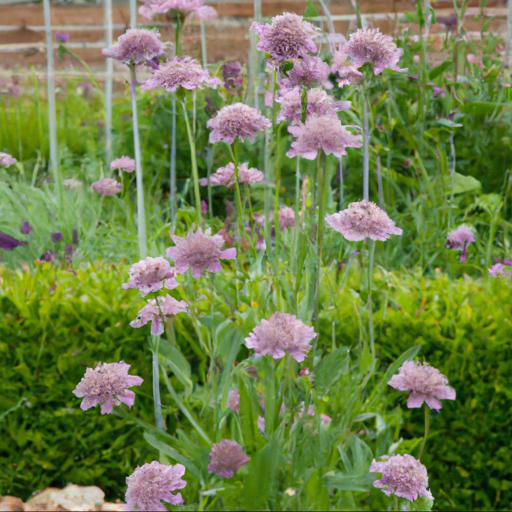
pixel 136 46
pixel 7 160
pixel 226 176
pixel 226 458
pixel 156 310
pixel 124 163
pixel 150 275
pixel 107 187
pixel 460 239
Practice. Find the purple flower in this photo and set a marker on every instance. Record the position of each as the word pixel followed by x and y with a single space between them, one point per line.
pixel 287 37
pixel 226 176
pixel 286 217
pixel 57 237
pixel 200 252
pixel 232 75
pixel 48 256
pixel 205 12
pixel 8 242
pixel 402 475
pixel 460 239
pixel 156 310
pixel 7 160
pixel 108 385
pixel 153 8
pixel 62 37
pixel 236 121
pixel 324 133
pixel 150 275
pixel 280 334
pixel 136 46
pixel 26 229
pixel 308 72
pixel 346 72
pixel 124 163
pixel 153 483
pixel 107 187
pixel 370 45
pixel 363 219
pixel 183 72
pixel 234 400
pixel 500 270
pixel 424 382
pixel 226 458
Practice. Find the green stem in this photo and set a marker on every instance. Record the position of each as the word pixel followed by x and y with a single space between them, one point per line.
pixel 277 176
pixel 238 199
pixel 371 261
pixel 157 402
pixel 427 429
pixel 178 35
pixel 322 199
pixel 366 141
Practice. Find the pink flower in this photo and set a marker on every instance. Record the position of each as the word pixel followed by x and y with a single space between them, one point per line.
pixel 347 73
pixel 183 72
pixel 226 176
pixel 107 187
pixel 308 72
pixel 226 458
pixel 124 163
pixel 236 120
pixel 205 13
pixel 460 239
pixel 107 384
pixel 156 310
pixel 324 133
pixel 136 46
pixel 200 252
pixel 286 217
pixel 280 334
pixel 363 219
pixel 402 475
pixel 153 8
pixel 7 160
pixel 425 383
pixel 319 103
pixel 370 45
pixel 234 400
pixel 153 483
pixel 150 275
pixel 500 270
pixel 287 37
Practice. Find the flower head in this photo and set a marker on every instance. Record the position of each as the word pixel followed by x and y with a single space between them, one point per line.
pixel 287 37
pixel 107 187
pixel 26 228
pixel 232 75
pixel 236 121
pixel 280 334
pixel 363 219
pixel 153 483
pixel 402 475
pixel 124 163
pixel 136 46
pixel 324 133
pixel 166 306
pixel 226 458
pixel 8 242
pixel 460 239
pixel 286 217
pixel 347 73
pixel 226 176
pixel 183 72
pixel 108 385
pixel 7 160
pixel 151 8
pixel 308 72
pixel 500 270
pixel 424 382
pixel 234 400
pixel 150 275
pixel 62 37
pixel 370 45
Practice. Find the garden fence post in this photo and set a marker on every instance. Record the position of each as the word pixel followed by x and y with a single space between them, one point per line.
pixel 108 82
pixel 133 13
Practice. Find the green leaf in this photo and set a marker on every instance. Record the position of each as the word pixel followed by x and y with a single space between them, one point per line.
pixel 438 70
pixel 310 11
pixel 460 184
pixel 177 363
pixel 331 368
pixel 447 123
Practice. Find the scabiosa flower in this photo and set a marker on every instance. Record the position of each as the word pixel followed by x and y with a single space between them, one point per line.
pixel 363 219
pixel 460 239
pixel 232 75
pixel 286 217
pixel 234 400
pixel 324 133
pixel 425 383
pixel 153 483
pixel 236 120
pixel 153 8
pixel 150 275
pixel 62 37
pixel 308 72
pixel 319 103
pixel 226 458
pixel 500 270
pixel 372 46
pixel 136 46
pixel 347 73
pixel 108 385
pixel 124 163
pixel 72 183
pixel 107 187
pixel 226 176
pixel 183 72
pixel 287 37
pixel 280 334
pixel 157 308
pixel 402 475
pixel 7 160
pixel 205 13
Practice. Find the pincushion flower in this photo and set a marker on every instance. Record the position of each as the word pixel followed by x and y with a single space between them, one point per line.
pixel 370 45
pixel 156 310
pixel 321 133
pixel 500 270
pixel 150 275
pixel 460 239
pixel 183 72
pixel 226 176
pixel 347 73
pixel 402 475
pixel 425 384
pixel 136 46
pixel 124 163
pixel 361 220
pixel 281 334
pixel 319 103
pixel 7 160
pixel 151 484
pixel 226 458
pixel 236 121
pixel 152 8
pixel 287 37
pixel 108 385
pixel 107 187
pixel 233 77
pixel 307 72
pixel 286 217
